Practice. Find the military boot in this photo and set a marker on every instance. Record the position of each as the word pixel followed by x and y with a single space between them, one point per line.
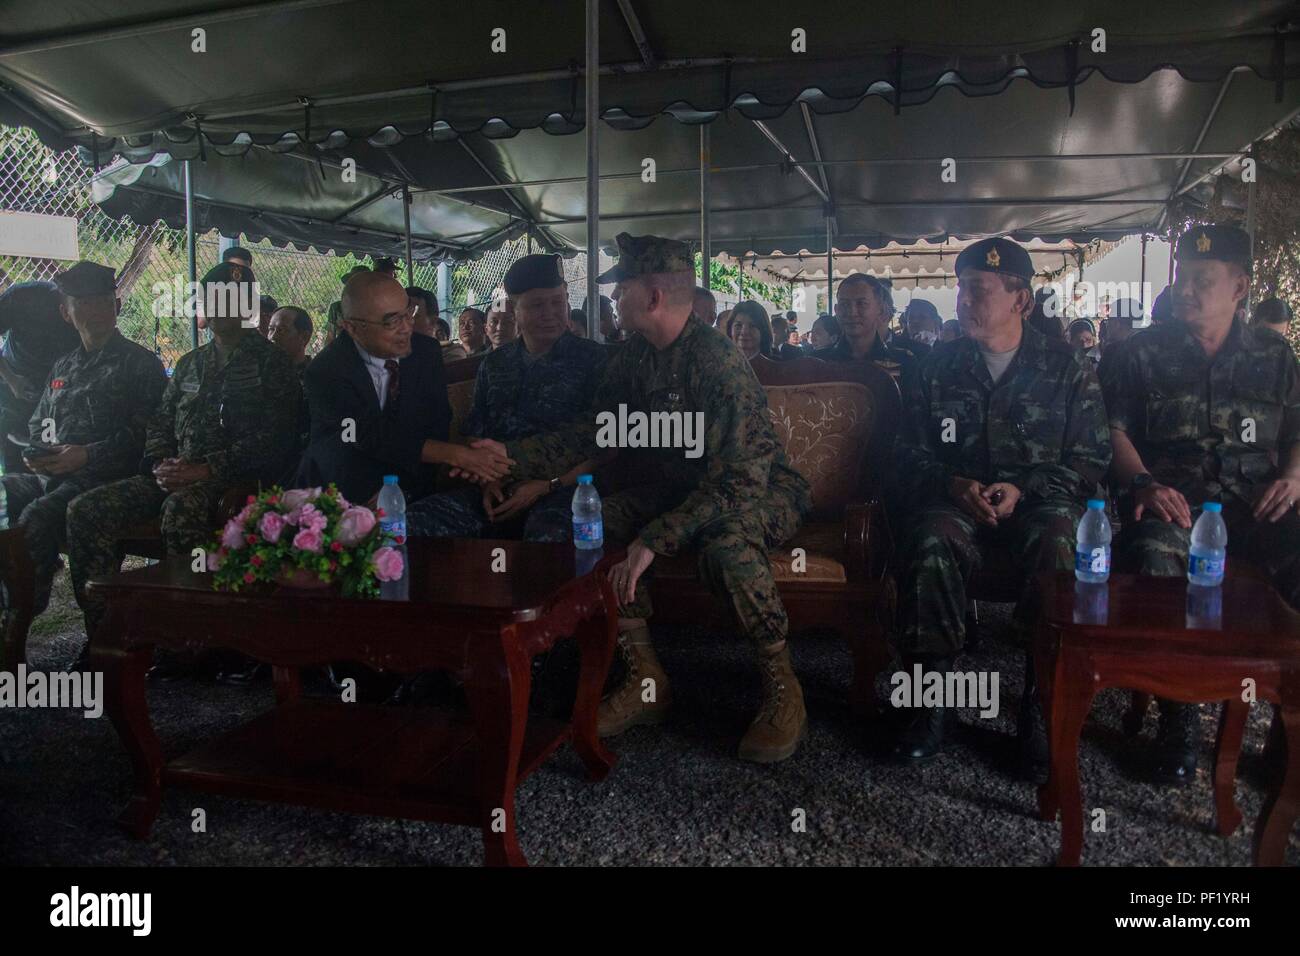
pixel 1177 742
pixel 634 701
pixel 782 721
pixel 1031 729
pixel 921 736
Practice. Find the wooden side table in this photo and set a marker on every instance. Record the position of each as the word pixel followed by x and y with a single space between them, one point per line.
pixel 1145 640
pixel 410 762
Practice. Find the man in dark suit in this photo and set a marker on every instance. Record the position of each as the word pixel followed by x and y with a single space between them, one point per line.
pixel 378 400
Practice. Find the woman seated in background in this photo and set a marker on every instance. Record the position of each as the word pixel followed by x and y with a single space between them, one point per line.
pixel 825 332
pixel 751 330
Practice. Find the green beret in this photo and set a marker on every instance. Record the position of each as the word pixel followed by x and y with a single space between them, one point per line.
pixel 1225 243
pixel 647 255
pixel 533 272
pixel 86 279
pixel 1003 256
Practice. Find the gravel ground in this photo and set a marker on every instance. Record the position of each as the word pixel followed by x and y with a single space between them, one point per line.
pixel 677 796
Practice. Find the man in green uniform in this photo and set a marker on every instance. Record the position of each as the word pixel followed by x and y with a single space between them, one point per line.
pixel 730 497
pixel 1004 438
pixel 88 427
pixel 228 415
pixel 1206 408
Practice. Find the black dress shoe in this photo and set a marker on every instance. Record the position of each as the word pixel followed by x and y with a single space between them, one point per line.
pixel 921 737
pixel 1031 730
pixel 1177 743
pixel 242 676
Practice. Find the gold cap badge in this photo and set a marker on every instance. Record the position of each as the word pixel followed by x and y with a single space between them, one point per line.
pixel 993 259
pixel 1203 243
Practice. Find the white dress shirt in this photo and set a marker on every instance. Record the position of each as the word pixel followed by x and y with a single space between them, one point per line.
pixel 378 374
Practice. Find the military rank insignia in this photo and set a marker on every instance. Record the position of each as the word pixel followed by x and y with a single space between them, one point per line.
pixel 993 259
pixel 1203 243
pixel 58 383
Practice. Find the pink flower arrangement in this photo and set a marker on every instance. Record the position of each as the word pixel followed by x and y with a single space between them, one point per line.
pixel 278 533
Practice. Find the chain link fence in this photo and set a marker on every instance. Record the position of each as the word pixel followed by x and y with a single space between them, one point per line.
pixel 152 259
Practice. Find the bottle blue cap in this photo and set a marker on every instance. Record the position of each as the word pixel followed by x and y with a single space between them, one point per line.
pixel 1096 504
pixel 1212 506
pixel 390 479
pixel 584 479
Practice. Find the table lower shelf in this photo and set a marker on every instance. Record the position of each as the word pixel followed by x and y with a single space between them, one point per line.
pixel 409 762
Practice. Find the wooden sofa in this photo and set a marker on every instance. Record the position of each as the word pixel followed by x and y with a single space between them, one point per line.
pixel 838 422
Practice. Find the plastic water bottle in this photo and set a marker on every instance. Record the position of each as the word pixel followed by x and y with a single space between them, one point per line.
pixel 393 504
pixel 1092 545
pixel 1208 556
pixel 588 521
pixel 1204 608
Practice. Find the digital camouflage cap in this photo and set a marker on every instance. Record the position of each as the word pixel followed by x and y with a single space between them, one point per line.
pixel 647 255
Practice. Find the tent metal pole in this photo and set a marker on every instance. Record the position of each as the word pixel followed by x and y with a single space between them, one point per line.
pixel 444 289
pixel 830 268
pixel 704 206
pixel 1142 280
pixel 406 226
pixel 190 251
pixel 1171 260
pixel 591 120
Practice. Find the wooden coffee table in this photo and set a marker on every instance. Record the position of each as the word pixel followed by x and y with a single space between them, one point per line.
pixel 1146 644
pixel 453 613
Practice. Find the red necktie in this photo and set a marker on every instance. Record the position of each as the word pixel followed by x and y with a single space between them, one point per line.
pixel 394 380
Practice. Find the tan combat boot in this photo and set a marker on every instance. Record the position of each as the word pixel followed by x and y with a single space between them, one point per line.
pixel 782 721
pixel 628 706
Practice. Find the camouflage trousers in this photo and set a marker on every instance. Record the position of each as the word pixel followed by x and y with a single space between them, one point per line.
pixel 731 553
pixel 1157 547
pixel 943 545
pixel 459 514
pixel 40 508
pixel 98 519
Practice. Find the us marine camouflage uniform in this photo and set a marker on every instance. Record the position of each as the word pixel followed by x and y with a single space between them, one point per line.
pixel 239 419
pixel 517 395
pixel 740 498
pixel 1187 416
pixel 1042 428
pixel 102 400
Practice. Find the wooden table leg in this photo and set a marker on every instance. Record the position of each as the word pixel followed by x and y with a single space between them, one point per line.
pixel 595 637
pixel 1232 725
pixel 1278 815
pixel 1045 663
pixel 124 701
pixel 1071 701
pixel 288 684
pixel 497 690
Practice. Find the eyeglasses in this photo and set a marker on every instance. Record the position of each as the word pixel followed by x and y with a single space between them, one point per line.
pixel 391 321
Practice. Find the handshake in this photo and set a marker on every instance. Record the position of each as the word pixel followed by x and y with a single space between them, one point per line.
pixel 482 461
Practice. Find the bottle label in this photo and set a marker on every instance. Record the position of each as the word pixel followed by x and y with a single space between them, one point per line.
pixel 589 530
pixel 1198 565
pixel 396 527
pixel 1094 561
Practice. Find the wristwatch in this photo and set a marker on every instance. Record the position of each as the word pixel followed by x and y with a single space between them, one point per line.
pixel 555 484
pixel 1140 481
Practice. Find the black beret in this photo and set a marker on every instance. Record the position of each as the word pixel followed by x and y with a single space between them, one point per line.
pixel 237 252
pixel 999 255
pixel 1226 243
pixel 533 272
pixel 86 279
pixel 231 273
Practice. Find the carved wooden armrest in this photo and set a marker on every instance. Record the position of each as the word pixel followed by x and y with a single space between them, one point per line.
pixel 867 541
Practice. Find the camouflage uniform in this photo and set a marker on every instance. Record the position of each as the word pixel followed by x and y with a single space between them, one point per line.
pixel 898 362
pixel 102 400
pixel 740 498
pixel 1186 415
pixel 240 419
pixel 516 396
pixel 1042 428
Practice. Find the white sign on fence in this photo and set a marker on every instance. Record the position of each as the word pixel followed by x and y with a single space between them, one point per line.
pixel 38 236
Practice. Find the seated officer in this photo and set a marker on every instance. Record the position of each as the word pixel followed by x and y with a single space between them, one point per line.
pixel 228 415
pixel 731 502
pixel 88 428
pixel 1206 408
pixel 864 306
pixel 544 379
pixel 1003 439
